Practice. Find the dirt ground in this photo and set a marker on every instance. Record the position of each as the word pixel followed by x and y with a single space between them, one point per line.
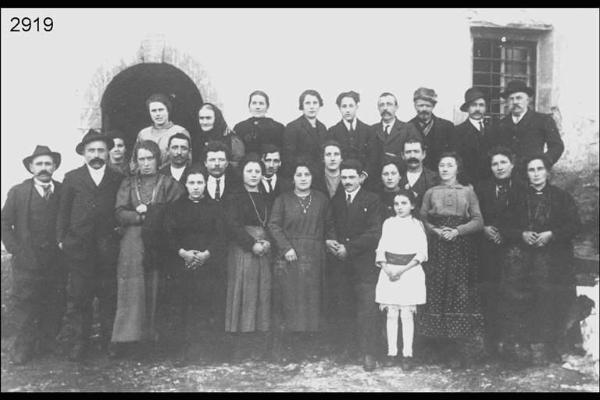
pixel 322 374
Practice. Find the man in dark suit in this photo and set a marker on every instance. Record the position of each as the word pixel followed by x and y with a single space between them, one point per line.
pixel 417 177
pixel 179 156
pixel 39 276
pixel 473 137
pixel 273 183
pixel 303 137
pixel 86 232
pixel 222 179
pixel 387 138
pixel 435 132
pixel 494 195
pixel 353 135
pixel 357 218
pixel 526 131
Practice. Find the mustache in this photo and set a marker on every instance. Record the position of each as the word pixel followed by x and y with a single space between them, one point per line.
pixel 386 113
pixel 97 161
pixel 412 160
pixel 424 112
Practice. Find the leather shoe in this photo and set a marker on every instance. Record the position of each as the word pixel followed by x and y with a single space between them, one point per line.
pixel 390 361
pixel 407 363
pixel 369 363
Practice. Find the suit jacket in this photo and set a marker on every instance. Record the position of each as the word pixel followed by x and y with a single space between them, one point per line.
pixel 86 216
pixel 358 228
pixel 282 185
pixel 16 234
pixel 357 146
pixel 472 146
pixel 233 184
pixel 388 147
pixel 427 180
pixel 438 140
pixel 529 136
pixel 166 170
pixel 300 139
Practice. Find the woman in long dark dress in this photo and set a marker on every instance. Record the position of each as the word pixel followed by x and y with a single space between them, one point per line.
pixel 300 223
pixel 259 129
pixel 450 212
pixel 494 195
pixel 248 307
pixel 537 279
pixel 195 229
pixel 140 206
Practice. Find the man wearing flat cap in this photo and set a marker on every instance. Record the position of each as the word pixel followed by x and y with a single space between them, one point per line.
pixel 86 231
pixel 526 131
pixel 39 276
pixel 473 137
pixel 436 132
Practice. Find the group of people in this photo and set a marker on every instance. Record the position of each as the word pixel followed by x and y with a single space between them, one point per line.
pixel 265 236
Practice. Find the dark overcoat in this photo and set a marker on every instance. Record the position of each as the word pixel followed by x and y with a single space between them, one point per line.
pixel 166 170
pixel 86 216
pixel 472 146
pixel 529 136
pixel 16 233
pixel 438 140
pixel 358 145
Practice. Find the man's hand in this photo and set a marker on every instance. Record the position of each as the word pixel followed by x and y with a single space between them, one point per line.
pixel 141 209
pixel 342 253
pixel 332 246
pixel 60 245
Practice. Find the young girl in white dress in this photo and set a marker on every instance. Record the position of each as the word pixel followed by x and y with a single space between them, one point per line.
pixel 401 285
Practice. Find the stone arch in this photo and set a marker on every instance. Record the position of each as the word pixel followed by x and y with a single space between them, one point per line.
pixel 152 50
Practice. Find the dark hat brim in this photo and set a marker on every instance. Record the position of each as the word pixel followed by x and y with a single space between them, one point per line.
pixel 465 105
pixel 530 92
pixel 110 143
pixel 55 156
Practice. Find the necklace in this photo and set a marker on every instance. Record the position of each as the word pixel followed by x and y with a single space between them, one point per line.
pixel 307 206
pixel 138 189
pixel 263 221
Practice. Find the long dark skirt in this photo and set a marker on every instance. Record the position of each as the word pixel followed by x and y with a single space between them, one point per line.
pixel 535 292
pixel 453 308
pixel 248 306
pixel 300 286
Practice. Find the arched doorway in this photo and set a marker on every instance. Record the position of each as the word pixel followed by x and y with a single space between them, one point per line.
pixel 123 104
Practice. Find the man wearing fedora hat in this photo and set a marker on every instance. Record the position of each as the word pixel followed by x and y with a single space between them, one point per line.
pixel 526 131
pixel 436 133
pixel 86 231
pixel 473 137
pixel 39 277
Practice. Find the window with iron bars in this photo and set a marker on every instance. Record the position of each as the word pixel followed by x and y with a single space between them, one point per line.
pixel 498 61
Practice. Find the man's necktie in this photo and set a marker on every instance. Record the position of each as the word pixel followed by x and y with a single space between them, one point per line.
pixel 348 199
pixel 218 190
pixel 270 185
pixel 387 129
pixel 47 192
pixel 481 127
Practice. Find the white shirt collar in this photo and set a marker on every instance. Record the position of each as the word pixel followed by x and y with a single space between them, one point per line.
pixel 97 174
pixel 390 124
pixel 177 172
pixel 39 186
pixel 350 124
pixel 516 120
pixel 352 194
pixel 273 180
pixel 476 123
pixel 211 185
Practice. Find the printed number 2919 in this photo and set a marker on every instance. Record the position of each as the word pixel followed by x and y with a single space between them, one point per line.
pixel 26 24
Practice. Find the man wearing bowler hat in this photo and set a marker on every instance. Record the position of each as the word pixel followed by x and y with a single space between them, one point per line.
pixel 436 133
pixel 473 137
pixel 39 277
pixel 526 131
pixel 86 231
